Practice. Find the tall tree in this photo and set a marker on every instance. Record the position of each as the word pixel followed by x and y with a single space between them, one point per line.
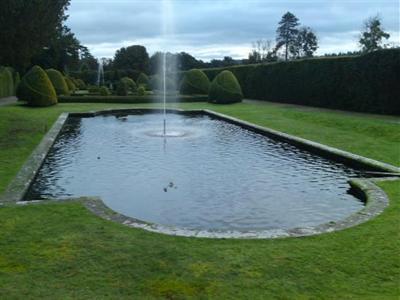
pixel 132 57
pixel 287 32
pixel 306 43
pixel 27 27
pixel 371 38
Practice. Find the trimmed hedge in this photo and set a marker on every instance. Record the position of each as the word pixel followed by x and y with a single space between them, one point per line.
pixel 366 83
pixel 195 82
pixel 156 83
pixel 129 83
pixel 131 99
pixel 225 89
pixel 58 81
pixel 70 84
pixel 36 88
pixel 7 86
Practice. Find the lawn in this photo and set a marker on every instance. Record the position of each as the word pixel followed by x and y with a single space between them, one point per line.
pixel 63 251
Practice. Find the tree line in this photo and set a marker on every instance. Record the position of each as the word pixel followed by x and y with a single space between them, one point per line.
pixel 33 33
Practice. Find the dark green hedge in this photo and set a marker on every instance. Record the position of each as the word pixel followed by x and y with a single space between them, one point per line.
pixel 58 81
pixel 194 82
pixel 130 99
pixel 367 83
pixel 225 89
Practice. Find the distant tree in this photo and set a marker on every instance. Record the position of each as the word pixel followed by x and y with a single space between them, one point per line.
pixel 305 44
pixel 188 62
pixel 262 52
pixel 132 57
pixel 27 27
pixel 287 32
pixel 371 38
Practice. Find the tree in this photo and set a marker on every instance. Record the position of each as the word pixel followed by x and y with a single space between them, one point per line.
pixel 287 32
pixel 132 57
pixel 306 43
pixel 188 62
pixel 371 38
pixel 262 51
pixel 27 27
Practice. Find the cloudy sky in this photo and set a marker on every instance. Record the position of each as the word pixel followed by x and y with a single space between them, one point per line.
pixel 210 29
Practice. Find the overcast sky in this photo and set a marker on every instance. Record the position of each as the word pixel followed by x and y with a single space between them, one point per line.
pixel 210 29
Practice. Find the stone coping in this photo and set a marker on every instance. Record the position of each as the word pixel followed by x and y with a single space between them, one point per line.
pixel 376 200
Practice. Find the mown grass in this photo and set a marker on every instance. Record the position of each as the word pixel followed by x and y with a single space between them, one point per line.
pixel 60 250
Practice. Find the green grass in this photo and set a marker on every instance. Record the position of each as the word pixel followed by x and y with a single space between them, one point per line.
pixel 63 251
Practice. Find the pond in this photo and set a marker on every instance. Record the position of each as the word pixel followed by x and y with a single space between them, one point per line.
pixel 208 174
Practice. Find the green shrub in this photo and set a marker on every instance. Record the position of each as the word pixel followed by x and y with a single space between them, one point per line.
pixel 122 88
pixel 70 84
pixel 156 83
pixel 6 82
pixel 93 89
pixel 195 82
pixel 104 91
pixel 80 84
pixel 225 89
pixel 36 88
pixel 58 81
pixel 130 84
pixel 366 83
pixel 143 80
pixel 141 91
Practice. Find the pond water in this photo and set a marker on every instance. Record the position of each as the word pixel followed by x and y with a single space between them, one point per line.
pixel 208 174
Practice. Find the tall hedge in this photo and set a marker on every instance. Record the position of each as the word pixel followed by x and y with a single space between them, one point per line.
pixel 58 81
pixel 225 89
pixel 367 83
pixel 36 88
pixel 195 82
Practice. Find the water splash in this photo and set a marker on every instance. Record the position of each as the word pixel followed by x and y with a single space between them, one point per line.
pixel 100 72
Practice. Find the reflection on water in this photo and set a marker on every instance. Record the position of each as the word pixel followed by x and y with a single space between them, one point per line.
pixel 215 176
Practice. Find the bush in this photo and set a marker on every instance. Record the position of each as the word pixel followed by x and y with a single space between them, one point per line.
pixel 80 84
pixel 6 82
pixel 143 80
pixel 130 84
pixel 71 85
pixel 36 88
pixel 195 82
pixel 156 83
pixel 104 91
pixel 93 89
pixel 366 83
pixel 141 91
pixel 58 81
pixel 225 89
pixel 122 88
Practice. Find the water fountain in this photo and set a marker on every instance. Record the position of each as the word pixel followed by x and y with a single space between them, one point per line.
pixel 100 73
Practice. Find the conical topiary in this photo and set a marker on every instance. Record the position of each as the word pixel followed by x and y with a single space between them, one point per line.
pixel 195 82
pixel 225 89
pixel 70 84
pixel 58 81
pixel 36 88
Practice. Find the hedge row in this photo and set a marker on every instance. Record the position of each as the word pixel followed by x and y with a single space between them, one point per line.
pixel 367 83
pixel 9 79
pixel 131 99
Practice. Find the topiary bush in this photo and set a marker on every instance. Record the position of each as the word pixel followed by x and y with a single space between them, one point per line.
pixel 130 84
pixel 58 81
pixel 71 85
pixel 141 91
pixel 195 82
pixel 36 88
pixel 6 82
pixel 156 83
pixel 80 84
pixel 104 91
pixel 143 80
pixel 225 89
pixel 122 88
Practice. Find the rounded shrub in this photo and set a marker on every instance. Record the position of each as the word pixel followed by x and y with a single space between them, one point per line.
pixel 225 89
pixel 141 91
pixel 104 91
pixel 195 82
pixel 36 88
pixel 80 84
pixel 6 82
pixel 143 80
pixel 130 84
pixel 71 85
pixel 58 81
pixel 122 88
pixel 156 83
